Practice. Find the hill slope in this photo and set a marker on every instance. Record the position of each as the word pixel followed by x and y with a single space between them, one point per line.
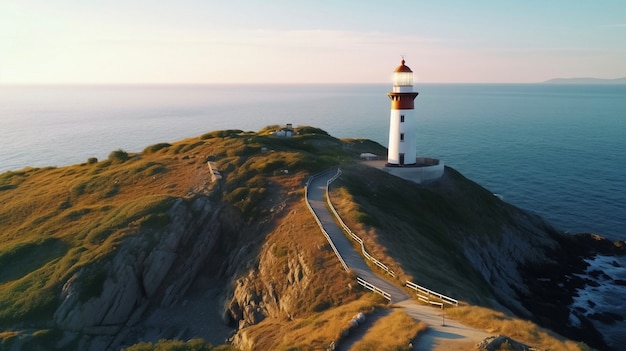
pixel 145 246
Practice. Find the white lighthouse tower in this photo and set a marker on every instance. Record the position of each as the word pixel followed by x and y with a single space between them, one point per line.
pixel 402 121
pixel 402 159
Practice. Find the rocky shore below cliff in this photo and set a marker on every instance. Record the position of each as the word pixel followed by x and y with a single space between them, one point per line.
pixel 572 294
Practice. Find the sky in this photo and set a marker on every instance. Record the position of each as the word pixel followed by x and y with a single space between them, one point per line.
pixel 334 41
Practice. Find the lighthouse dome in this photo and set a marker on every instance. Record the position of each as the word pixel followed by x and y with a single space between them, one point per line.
pixel 402 77
pixel 403 68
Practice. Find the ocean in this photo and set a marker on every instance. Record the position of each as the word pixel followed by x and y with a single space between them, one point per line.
pixel 557 150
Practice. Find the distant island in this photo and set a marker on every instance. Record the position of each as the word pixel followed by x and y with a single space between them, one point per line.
pixel 586 81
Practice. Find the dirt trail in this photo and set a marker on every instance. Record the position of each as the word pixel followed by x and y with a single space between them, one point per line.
pixel 441 334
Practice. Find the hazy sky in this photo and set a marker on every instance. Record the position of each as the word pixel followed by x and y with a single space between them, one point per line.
pixel 336 41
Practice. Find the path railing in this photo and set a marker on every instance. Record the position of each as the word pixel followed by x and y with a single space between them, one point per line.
pixel 359 280
pixel 332 245
pixel 374 288
pixel 347 230
pixel 424 294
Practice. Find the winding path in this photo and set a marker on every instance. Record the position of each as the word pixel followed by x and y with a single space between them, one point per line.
pixel 438 336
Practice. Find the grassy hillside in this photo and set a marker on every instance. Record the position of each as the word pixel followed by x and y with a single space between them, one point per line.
pixel 419 231
pixel 420 228
pixel 54 221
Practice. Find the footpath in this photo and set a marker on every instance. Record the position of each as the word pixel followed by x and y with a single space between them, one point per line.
pixel 450 335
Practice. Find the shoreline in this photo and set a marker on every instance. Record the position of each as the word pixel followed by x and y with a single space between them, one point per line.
pixel 561 289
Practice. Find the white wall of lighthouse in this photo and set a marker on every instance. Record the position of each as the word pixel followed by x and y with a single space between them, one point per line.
pixel 402 138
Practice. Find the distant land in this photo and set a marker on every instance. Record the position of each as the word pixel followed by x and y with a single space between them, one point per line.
pixel 586 81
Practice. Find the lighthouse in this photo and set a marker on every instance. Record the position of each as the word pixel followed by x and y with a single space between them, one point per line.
pixel 402 159
pixel 402 121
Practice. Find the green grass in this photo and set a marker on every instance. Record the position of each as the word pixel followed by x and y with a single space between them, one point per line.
pixel 177 345
pixel 156 147
pixel 56 221
pixel 421 227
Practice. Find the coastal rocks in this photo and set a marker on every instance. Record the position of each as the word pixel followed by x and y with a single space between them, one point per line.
pixel 565 291
pixel 499 261
pixel 538 272
pixel 500 342
pixel 155 267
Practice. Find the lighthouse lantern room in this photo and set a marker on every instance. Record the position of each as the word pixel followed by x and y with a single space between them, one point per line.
pixel 402 122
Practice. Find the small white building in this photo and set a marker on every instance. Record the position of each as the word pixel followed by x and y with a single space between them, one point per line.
pixel 286 131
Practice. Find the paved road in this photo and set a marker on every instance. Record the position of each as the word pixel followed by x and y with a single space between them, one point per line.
pixel 438 336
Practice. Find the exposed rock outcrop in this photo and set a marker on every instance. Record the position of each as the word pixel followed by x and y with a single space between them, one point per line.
pixel 261 292
pixel 153 268
pixel 523 242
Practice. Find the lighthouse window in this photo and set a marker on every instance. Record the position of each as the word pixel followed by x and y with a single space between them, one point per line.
pixel 401 136
pixel 401 118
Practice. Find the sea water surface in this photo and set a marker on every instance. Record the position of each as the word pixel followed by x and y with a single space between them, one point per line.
pixel 557 150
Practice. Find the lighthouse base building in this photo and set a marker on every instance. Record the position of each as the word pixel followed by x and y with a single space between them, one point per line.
pixel 402 159
pixel 423 171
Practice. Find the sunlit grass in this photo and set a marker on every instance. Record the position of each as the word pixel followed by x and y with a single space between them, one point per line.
pixel 418 230
pixel 521 330
pixel 394 332
pixel 313 332
pixel 55 221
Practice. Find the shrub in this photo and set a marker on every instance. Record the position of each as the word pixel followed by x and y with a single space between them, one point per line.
pixel 310 130
pixel 221 134
pixel 192 146
pixel 119 156
pixel 156 147
pixel 92 160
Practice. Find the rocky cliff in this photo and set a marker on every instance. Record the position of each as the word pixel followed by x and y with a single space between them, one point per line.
pixel 154 267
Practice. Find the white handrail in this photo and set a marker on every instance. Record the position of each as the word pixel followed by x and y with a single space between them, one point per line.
pixel 419 289
pixel 374 288
pixel 354 236
pixel 306 192
pixel 429 292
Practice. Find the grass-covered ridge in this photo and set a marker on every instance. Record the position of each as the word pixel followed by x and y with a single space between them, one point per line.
pixel 55 221
pixel 419 229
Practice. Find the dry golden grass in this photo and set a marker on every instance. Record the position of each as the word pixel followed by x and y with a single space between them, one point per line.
pixel 314 332
pixel 416 230
pixel 355 219
pixel 393 333
pixel 521 330
pixel 61 219
pixel 417 249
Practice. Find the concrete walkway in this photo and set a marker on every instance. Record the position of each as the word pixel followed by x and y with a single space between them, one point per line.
pixel 450 336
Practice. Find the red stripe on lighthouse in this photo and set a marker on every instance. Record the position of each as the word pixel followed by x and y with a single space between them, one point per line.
pixel 402 101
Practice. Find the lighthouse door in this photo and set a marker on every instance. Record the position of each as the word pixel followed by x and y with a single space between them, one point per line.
pixel 402 159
